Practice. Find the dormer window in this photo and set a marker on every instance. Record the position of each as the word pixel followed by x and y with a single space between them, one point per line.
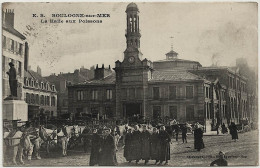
pixel 32 83
pixel 27 82
pixel 53 87
pixel 36 84
pixel 41 85
pixel 47 86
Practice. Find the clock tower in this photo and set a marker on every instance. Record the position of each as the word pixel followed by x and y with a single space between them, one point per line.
pixel 132 54
pixel 133 73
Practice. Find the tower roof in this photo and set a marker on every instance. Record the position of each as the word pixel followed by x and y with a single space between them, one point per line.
pixel 132 7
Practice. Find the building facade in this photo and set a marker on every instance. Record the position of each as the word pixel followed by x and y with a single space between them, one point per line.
pixel 39 94
pixel 62 80
pixel 171 88
pixel 15 50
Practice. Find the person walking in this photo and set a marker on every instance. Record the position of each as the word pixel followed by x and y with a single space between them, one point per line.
pixel 184 133
pixel 165 140
pixel 155 146
pixel 136 142
pixel 233 131
pixel 145 145
pixel 198 138
pixel 95 147
pixel 128 148
pixel 108 150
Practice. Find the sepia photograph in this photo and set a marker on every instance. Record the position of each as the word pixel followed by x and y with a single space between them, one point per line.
pixel 168 84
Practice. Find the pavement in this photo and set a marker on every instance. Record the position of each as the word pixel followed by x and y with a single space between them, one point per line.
pixel 244 152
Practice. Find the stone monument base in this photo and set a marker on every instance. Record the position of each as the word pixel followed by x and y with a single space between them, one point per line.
pixel 15 110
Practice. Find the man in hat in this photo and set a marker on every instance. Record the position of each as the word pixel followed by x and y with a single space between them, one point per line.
pixel 95 147
pixel 221 161
pixel 108 150
pixel 12 80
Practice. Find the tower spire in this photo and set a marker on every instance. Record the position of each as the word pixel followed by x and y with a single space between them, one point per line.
pixel 132 32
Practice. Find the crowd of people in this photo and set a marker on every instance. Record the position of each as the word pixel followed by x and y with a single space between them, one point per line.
pixel 147 146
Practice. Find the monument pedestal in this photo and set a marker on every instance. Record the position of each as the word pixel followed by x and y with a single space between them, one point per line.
pixel 15 110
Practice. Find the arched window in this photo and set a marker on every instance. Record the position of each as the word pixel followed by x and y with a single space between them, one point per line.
pixel 32 83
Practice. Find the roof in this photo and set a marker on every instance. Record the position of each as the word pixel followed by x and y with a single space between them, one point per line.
pixel 176 60
pixel 172 52
pixel 174 75
pixel 132 6
pixel 110 79
pixel 12 30
pixel 35 76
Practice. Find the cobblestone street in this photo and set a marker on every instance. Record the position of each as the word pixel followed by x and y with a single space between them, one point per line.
pixel 243 152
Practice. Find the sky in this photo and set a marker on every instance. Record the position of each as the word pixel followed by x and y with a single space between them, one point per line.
pixel 206 32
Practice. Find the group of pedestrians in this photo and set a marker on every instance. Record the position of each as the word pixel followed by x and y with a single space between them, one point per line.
pixel 103 149
pixel 143 145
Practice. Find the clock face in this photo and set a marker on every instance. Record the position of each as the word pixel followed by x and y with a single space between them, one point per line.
pixel 131 59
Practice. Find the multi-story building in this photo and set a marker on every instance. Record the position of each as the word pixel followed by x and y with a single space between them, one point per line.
pixel 173 88
pixel 62 80
pixel 15 50
pixel 39 94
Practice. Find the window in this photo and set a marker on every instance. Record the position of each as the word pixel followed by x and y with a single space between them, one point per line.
pixel 32 99
pixel 42 100
pixel 139 93
pixel 20 49
pixel 156 112
pixel 19 68
pixel 94 94
pixel 172 93
pixel 156 93
pixel 4 42
pixel 108 112
pixel 3 65
pixel 173 112
pixel 109 94
pixel 48 100
pixel 80 95
pixel 12 44
pixel 28 98
pixel 189 92
pixel 27 82
pixel 132 93
pixel 32 83
pixel 190 112
pixel 124 94
pixel 53 101
pixel 37 99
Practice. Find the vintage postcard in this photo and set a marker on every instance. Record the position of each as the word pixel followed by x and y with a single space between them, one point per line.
pixel 130 84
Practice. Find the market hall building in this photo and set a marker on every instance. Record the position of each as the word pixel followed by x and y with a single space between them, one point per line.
pixel 174 88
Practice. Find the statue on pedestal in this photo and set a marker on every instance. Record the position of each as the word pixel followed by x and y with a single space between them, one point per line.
pixel 12 81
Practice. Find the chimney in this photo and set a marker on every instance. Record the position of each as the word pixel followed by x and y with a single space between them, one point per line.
pixel 39 71
pixel 26 57
pixel 97 66
pixel 100 73
pixel 109 67
pixel 9 17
